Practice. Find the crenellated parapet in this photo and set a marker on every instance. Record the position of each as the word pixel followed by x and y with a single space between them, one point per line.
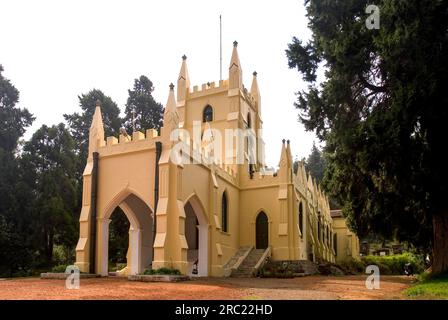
pixel 208 88
pixel 139 141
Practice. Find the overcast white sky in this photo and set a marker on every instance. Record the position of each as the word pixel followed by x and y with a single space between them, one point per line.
pixel 53 51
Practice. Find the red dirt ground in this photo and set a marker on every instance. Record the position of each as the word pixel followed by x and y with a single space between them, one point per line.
pixel 313 288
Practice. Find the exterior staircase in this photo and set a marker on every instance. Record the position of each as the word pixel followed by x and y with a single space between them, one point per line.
pixel 250 265
pixel 240 254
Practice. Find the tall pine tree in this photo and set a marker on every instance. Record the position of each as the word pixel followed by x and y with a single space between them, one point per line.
pixel 382 113
pixel 15 249
pixel 141 108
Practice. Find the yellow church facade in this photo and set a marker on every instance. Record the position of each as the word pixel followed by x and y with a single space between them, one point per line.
pixel 197 194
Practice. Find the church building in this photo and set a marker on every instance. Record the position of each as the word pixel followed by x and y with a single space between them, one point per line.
pixel 217 207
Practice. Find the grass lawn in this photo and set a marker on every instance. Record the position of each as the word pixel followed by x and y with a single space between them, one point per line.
pixel 429 288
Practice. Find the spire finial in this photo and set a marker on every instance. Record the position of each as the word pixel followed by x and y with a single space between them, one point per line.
pixel 255 73
pixel 171 86
pixel 235 43
pixel 98 103
pixel 184 57
pixel 287 141
pixel 283 140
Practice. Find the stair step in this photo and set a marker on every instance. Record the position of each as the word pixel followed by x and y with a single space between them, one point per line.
pixel 247 267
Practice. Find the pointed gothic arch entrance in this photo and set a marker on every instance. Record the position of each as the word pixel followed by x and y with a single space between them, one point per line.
pixel 139 214
pixel 197 236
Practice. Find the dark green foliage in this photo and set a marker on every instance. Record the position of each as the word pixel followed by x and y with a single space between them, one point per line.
pixel 13 120
pixel 275 272
pixel 352 266
pixel 279 269
pixel 393 264
pixel 48 165
pixel 79 123
pixel 162 271
pixel 16 254
pixel 41 184
pixel 148 112
pixel 315 164
pixel 60 268
pixel 118 237
pixel 381 112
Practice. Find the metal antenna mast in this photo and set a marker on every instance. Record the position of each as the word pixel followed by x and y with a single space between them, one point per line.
pixel 220 48
pixel 133 120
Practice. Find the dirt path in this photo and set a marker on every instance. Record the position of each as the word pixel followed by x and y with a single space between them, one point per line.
pixel 315 287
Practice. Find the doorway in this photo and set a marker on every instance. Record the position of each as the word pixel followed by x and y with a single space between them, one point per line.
pixel 262 231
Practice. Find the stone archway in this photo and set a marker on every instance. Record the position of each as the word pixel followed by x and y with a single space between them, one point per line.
pixel 140 246
pixel 197 236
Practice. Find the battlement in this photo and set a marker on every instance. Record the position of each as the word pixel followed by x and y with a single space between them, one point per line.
pixel 126 143
pixel 137 136
pixel 208 88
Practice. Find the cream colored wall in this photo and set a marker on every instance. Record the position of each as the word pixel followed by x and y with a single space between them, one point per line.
pixel 118 174
pixel 347 241
pixel 197 180
pixel 225 244
pixel 253 201
pixel 128 167
pixel 118 179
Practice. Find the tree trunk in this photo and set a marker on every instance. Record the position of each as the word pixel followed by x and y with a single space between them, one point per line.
pixel 440 246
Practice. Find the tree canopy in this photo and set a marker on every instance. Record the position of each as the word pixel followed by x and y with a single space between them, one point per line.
pixel 381 111
pixel 315 164
pixel 15 246
pixel 41 179
pixel 14 120
pixel 49 168
pixel 142 108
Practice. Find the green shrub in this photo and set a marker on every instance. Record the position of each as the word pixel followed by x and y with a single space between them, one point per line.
pixel 394 264
pixel 162 271
pixel 63 255
pixel 60 268
pixel 388 265
pixel 352 266
pixel 276 272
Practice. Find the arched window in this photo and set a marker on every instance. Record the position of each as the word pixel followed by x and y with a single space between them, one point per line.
pixel 207 114
pixel 249 121
pixel 224 213
pixel 335 243
pixel 300 218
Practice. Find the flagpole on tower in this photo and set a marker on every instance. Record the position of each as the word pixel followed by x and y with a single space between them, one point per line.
pixel 220 48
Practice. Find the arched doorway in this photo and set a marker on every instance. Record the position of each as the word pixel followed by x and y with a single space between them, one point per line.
pixel 140 239
pixel 118 240
pixel 262 231
pixel 196 234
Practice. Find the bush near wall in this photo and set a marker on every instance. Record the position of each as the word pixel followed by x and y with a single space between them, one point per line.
pixel 388 265
pixel 161 271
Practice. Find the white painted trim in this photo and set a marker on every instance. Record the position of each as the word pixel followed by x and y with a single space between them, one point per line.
pixel 203 250
pixel 135 243
pixel 104 267
pixel 203 230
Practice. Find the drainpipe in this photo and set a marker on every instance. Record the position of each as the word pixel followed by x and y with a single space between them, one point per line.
pixel 156 194
pixel 93 212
